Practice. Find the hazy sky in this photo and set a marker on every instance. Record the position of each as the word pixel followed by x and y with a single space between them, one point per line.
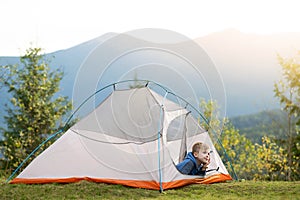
pixel 60 24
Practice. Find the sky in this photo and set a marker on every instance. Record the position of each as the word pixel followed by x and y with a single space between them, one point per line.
pixel 60 24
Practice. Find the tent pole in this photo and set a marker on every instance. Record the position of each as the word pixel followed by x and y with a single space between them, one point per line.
pixel 159 134
pixel 37 148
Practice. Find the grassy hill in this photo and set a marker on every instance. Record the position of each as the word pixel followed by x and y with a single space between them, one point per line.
pixel 88 190
pixel 254 126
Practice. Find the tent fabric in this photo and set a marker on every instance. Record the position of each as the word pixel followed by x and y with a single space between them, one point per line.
pixel 133 138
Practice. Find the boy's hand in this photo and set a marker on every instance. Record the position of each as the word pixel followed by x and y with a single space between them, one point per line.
pixel 205 166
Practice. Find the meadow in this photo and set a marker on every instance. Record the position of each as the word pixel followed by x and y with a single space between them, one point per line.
pixel 88 190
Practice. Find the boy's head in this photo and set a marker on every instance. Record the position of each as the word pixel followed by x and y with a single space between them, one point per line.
pixel 201 152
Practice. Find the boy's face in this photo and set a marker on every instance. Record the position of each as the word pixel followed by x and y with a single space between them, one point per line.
pixel 203 156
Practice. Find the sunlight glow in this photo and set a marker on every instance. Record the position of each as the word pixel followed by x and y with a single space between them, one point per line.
pixel 57 24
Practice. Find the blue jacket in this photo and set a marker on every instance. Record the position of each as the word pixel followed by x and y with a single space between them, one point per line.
pixel 189 166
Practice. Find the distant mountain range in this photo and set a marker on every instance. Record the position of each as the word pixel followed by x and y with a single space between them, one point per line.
pixel 271 123
pixel 247 64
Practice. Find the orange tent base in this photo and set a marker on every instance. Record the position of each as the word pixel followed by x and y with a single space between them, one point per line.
pixel 132 183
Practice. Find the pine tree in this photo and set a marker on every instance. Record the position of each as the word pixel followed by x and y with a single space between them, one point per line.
pixel 34 111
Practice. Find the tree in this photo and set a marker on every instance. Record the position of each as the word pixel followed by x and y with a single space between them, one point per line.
pixel 271 161
pixel 209 109
pixel 240 151
pixel 236 150
pixel 35 111
pixel 287 90
pixel 136 83
pixel 249 161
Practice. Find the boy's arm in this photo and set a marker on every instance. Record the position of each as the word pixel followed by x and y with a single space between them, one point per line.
pixel 187 168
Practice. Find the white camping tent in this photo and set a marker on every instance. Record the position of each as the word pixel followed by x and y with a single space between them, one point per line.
pixel 132 138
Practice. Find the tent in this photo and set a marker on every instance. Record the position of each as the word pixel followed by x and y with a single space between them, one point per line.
pixel 135 137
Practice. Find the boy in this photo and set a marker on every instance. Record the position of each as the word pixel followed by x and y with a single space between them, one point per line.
pixel 197 161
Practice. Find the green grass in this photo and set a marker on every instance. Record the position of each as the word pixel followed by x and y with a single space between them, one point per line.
pixel 87 190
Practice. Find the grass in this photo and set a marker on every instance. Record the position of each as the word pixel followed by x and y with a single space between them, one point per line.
pixel 88 190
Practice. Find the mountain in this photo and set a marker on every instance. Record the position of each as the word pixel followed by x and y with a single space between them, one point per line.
pixel 246 63
pixel 272 123
pixel 249 66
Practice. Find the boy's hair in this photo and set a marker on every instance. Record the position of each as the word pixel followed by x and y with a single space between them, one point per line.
pixel 199 145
